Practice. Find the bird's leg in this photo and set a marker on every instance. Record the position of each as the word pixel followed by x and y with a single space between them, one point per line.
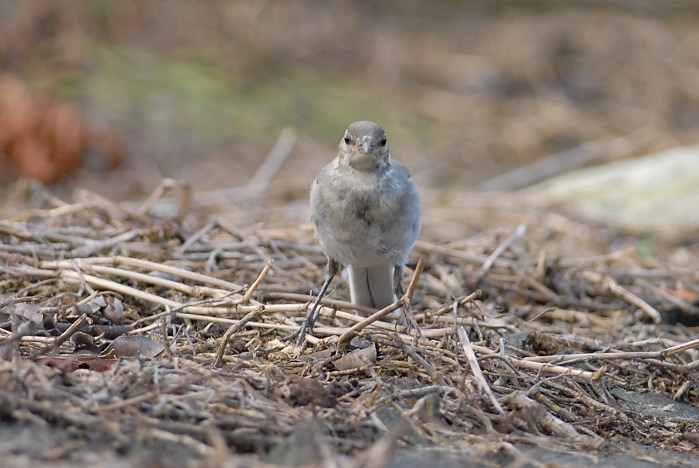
pixel 333 269
pixel 398 281
pixel 399 291
pixel 307 325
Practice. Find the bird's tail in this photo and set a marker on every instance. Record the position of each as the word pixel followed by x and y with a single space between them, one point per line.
pixel 371 286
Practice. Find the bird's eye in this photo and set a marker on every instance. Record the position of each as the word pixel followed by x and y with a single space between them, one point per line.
pixel 347 140
pixel 383 141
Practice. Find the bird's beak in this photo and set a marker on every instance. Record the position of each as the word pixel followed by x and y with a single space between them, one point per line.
pixel 366 146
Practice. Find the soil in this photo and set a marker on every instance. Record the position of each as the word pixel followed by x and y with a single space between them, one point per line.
pixel 142 323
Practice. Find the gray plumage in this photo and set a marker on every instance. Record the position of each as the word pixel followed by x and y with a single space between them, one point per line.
pixel 366 212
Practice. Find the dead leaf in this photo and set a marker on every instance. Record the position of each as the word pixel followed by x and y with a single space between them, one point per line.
pixel 73 363
pixel 114 310
pixel 357 359
pixel 46 138
pixel 136 346
pixel 24 311
pixel 301 391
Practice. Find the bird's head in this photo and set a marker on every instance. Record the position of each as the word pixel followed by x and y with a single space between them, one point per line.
pixel 364 146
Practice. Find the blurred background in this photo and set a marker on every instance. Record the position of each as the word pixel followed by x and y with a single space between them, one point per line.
pixel 115 96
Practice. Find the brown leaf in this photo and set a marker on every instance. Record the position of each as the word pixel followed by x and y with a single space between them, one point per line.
pixel 72 363
pixel 301 391
pixel 358 358
pixel 45 138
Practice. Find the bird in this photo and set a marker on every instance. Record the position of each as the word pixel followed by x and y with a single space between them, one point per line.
pixel 365 209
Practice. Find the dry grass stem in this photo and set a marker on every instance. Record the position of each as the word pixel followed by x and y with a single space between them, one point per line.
pixel 623 293
pixel 476 369
pixel 253 287
pixel 516 235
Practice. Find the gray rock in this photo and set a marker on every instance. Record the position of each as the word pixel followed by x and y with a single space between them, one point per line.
pixel 656 193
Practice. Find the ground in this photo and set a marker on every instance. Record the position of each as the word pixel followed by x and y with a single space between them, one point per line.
pixel 150 331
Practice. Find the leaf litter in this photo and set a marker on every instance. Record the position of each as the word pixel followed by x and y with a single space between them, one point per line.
pixel 164 339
